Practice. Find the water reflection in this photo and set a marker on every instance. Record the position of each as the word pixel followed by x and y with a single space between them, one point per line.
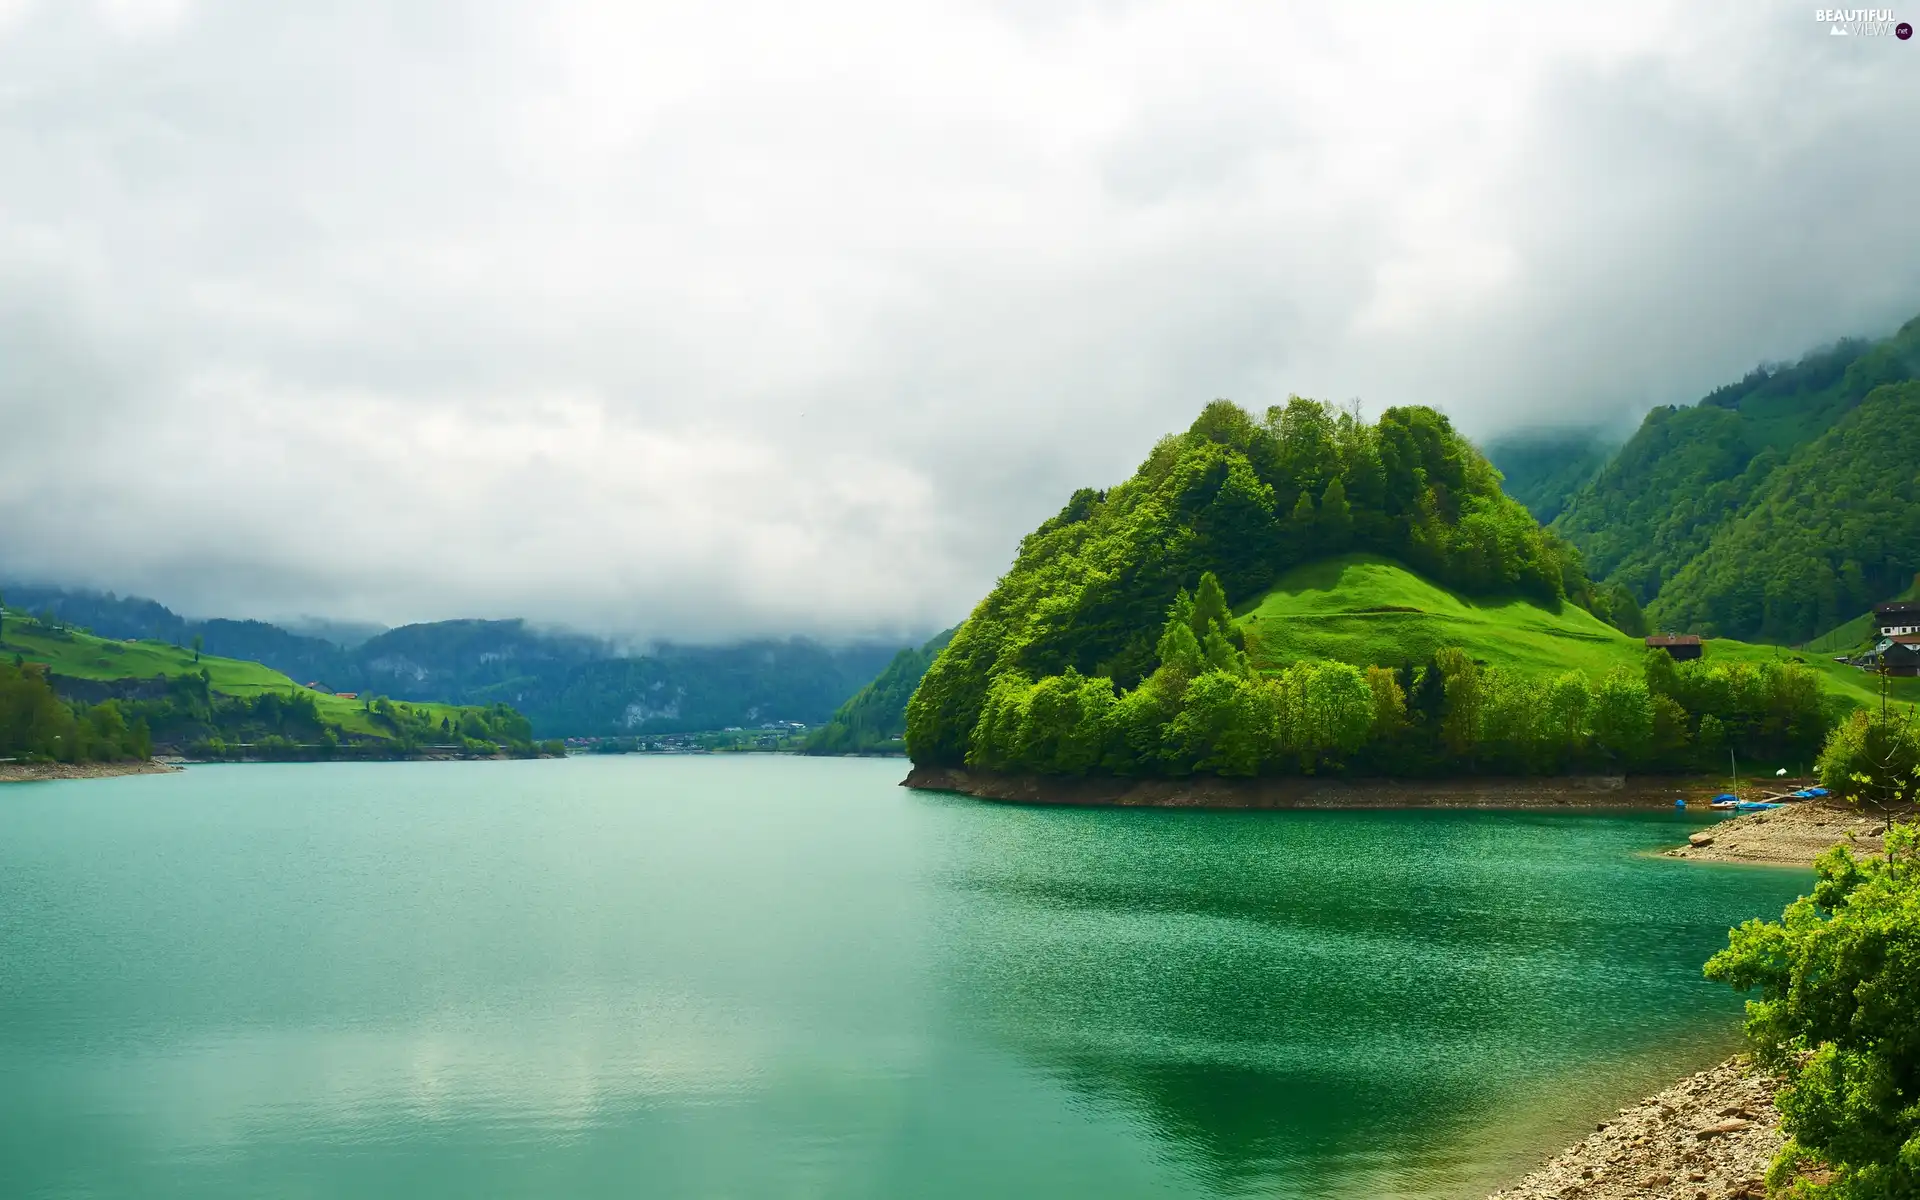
pixel 1290 1001
pixel 777 977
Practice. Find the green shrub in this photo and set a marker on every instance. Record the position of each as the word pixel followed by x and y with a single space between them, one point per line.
pixel 1871 760
pixel 1839 1016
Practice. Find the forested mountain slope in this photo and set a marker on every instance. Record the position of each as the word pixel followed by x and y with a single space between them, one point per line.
pixel 1826 534
pixel 874 720
pixel 1542 469
pixel 1396 615
pixel 1687 476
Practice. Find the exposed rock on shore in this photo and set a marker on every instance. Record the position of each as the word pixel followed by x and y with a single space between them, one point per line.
pixel 39 772
pixel 1791 836
pixel 1709 1137
pixel 1206 791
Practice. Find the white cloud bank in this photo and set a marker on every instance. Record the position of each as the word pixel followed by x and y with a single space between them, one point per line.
pixel 700 320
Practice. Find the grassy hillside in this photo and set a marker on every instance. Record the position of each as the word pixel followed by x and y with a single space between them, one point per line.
pixel 1366 610
pixel 76 655
pixel 1369 611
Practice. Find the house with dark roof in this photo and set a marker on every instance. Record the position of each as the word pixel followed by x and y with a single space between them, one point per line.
pixel 1896 618
pixel 1682 646
pixel 1896 655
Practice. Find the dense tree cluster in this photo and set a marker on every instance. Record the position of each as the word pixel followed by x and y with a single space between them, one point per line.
pixel 1244 499
pixel 1838 1015
pixel 1873 759
pixel 1203 709
pixel 291 726
pixel 35 724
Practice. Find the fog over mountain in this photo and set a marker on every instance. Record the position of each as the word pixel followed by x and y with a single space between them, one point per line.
pixel 712 321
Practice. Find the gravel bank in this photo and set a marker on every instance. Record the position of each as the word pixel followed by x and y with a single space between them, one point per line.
pixel 40 772
pixel 1791 836
pixel 1711 1136
pixel 1708 1137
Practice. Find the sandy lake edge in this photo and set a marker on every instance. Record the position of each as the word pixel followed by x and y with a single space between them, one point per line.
pixel 16 772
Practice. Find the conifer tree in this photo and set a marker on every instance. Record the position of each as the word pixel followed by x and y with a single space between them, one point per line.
pixel 1210 613
pixel 1336 516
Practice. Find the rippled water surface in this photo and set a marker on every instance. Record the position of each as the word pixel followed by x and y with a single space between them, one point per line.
pixel 784 977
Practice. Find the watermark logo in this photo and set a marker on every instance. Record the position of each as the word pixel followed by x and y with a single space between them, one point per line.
pixel 1862 22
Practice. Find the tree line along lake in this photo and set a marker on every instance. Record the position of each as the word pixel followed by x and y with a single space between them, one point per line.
pixel 775 976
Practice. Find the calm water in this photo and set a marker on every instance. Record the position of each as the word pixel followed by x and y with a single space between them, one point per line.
pixel 780 977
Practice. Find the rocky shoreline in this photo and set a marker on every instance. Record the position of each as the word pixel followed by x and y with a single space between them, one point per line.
pixel 1709 1137
pixel 1713 1135
pixel 1794 835
pixel 1545 792
pixel 12 772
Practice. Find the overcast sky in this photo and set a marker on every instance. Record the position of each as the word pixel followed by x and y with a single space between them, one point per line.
pixel 699 320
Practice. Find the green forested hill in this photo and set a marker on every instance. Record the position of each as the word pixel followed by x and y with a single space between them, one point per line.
pixel 183 700
pixel 1244 500
pixel 874 720
pixel 1826 534
pixel 1689 476
pixel 1363 598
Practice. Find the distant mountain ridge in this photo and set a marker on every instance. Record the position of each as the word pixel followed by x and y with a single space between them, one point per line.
pixel 567 684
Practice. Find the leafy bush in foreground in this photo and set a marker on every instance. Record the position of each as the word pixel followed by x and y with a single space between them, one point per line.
pixel 1873 761
pixel 1839 1016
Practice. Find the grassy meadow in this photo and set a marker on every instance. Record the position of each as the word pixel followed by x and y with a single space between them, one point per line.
pixel 1366 610
pixel 80 655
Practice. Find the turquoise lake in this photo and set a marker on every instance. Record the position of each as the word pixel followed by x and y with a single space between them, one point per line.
pixel 781 977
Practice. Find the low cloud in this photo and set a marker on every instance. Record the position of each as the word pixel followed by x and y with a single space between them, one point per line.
pixel 764 318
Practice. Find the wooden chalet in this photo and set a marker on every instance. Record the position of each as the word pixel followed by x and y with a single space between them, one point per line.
pixel 1896 618
pixel 1681 646
pixel 1896 655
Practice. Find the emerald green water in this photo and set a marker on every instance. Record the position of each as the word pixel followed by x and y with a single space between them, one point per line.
pixel 784 977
